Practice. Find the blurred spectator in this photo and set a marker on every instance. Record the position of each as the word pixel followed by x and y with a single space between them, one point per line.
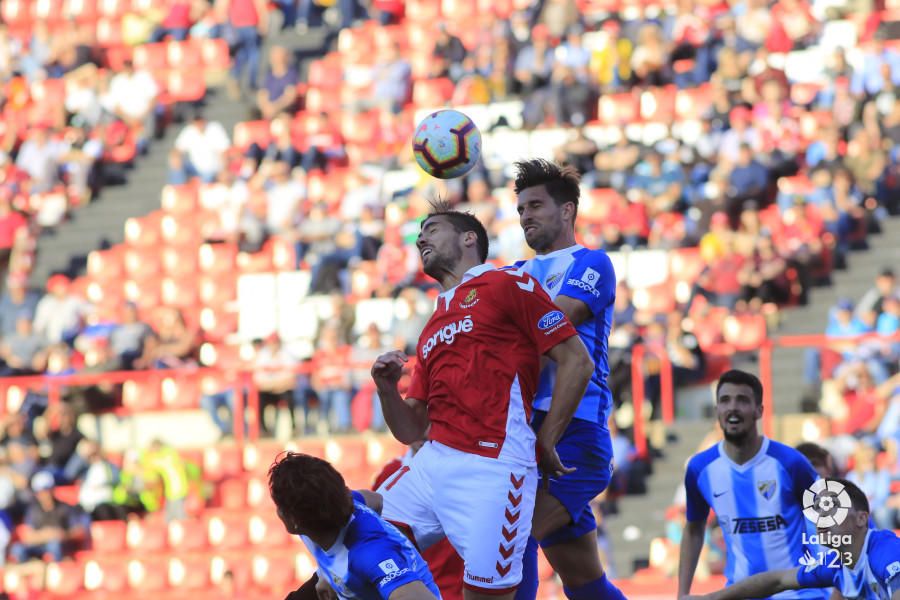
pixel 175 344
pixel 391 79
pixel 199 151
pixel 98 483
pixel 748 182
pixel 39 156
pixel 61 439
pixel 12 223
pixel 873 300
pixel 650 57
pixel 19 351
pixel 533 70
pixel 274 374
pixel 168 465
pixel 820 458
pixel 132 97
pixel 764 279
pixel 128 340
pixel 370 345
pixel 49 524
pixel 719 281
pixel 279 90
pixel 873 481
pixel 330 379
pixel 16 301
pixel 180 16
pixel 448 55
pixel 58 314
pixel 246 22
pixel 284 196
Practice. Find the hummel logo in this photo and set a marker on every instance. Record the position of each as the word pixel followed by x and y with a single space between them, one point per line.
pixel 716 495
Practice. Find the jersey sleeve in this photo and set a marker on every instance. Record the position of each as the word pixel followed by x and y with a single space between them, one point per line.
pixel 418 384
pixel 533 311
pixel 697 506
pixel 818 575
pixel 591 280
pixel 884 560
pixel 381 563
pixel 802 476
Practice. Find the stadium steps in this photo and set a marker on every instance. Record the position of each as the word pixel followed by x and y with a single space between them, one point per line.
pixel 642 518
pixel 852 283
pixel 101 223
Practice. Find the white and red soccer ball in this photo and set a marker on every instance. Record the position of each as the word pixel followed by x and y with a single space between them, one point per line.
pixel 447 144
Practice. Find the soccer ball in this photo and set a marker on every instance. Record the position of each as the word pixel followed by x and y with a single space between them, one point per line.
pixel 447 144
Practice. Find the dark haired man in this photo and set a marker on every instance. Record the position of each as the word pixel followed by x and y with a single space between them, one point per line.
pixel 359 555
pixel 475 377
pixel 820 458
pixel 861 563
pixel 755 486
pixel 582 283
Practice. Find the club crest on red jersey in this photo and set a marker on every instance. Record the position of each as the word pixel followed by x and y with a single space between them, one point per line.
pixel 470 300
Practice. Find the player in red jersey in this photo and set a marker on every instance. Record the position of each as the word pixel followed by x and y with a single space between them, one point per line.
pixel 476 373
pixel 444 562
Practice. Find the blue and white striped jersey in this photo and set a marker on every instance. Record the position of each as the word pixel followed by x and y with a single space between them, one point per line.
pixel 759 506
pixel 370 558
pixel 875 576
pixel 585 275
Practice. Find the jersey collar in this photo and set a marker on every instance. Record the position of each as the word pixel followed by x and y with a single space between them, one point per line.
pixel 560 252
pixel 763 449
pixel 472 273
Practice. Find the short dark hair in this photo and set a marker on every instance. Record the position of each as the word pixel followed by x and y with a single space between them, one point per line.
pixel 561 182
pixel 858 499
pixel 738 377
pixel 462 222
pixel 814 453
pixel 310 492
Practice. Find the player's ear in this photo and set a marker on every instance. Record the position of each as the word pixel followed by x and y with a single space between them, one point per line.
pixel 470 239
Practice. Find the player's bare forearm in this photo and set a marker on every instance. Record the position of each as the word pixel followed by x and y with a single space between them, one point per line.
pixel 761 585
pixel 574 369
pixel 691 546
pixel 406 418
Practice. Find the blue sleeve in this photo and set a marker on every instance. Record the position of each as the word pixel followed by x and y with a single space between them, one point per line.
pixel 802 475
pixel 592 280
pixel 884 560
pixel 381 563
pixel 697 506
pixel 818 576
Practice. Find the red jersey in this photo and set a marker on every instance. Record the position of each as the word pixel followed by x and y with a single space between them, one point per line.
pixel 446 566
pixel 479 361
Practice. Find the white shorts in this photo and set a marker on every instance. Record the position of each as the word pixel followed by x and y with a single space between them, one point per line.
pixel 482 505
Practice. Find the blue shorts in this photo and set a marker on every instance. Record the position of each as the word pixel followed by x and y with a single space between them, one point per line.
pixel 586 446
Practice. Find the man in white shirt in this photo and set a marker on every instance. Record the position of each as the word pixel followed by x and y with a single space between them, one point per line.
pixel 132 97
pixel 202 145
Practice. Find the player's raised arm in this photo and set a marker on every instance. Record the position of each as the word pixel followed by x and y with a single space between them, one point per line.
pixel 573 372
pixel 761 585
pixel 407 418
pixel 412 591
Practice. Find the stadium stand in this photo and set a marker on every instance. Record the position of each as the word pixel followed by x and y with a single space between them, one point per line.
pixel 733 158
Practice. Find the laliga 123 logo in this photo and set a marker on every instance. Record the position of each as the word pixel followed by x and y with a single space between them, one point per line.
pixel 826 503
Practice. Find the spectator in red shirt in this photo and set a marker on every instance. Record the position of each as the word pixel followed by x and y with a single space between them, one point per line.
pixel 11 222
pixel 330 379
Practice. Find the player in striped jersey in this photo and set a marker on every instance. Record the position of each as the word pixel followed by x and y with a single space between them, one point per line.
pixel 863 563
pixel 754 485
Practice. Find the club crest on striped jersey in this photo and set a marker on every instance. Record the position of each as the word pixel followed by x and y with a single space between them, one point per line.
pixel 766 488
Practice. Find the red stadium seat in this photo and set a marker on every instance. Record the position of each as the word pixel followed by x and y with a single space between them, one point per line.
pixel 326 73
pixel 258 457
pixel 618 109
pixel 179 199
pixel 266 529
pixel 228 531
pixel 105 265
pixel 83 11
pixel 144 231
pixel 257 262
pixel 151 57
pixel 258 497
pixel 187 536
pixel 222 462
pixel 658 104
pixel 106 574
pixel 181 392
pixel 232 493
pixel 147 536
pixel 148 574
pixel 657 299
pixel 423 10
pixel 685 264
pixel 141 395
pixel 180 293
pixel 47 10
pixel 432 93
pixel 179 263
pixel 745 332
pixel 108 536
pixel 185 57
pixel 66 493
pixel 215 54
pixel 189 571
pixel 186 86
pixel 109 32
pixel 692 103
pixel 247 133
pixel 217 258
pixel 113 8
pixel 217 325
pixel 15 12
pixel 180 230
pixel 346 453
pixel 274 571
pixel 64 578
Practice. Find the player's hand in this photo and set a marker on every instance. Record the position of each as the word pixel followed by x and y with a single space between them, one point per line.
pixel 389 367
pixel 550 464
pixel 324 591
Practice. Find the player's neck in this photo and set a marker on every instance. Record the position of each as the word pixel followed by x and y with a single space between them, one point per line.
pixel 747 449
pixel 565 240
pixel 856 547
pixel 451 278
pixel 325 540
